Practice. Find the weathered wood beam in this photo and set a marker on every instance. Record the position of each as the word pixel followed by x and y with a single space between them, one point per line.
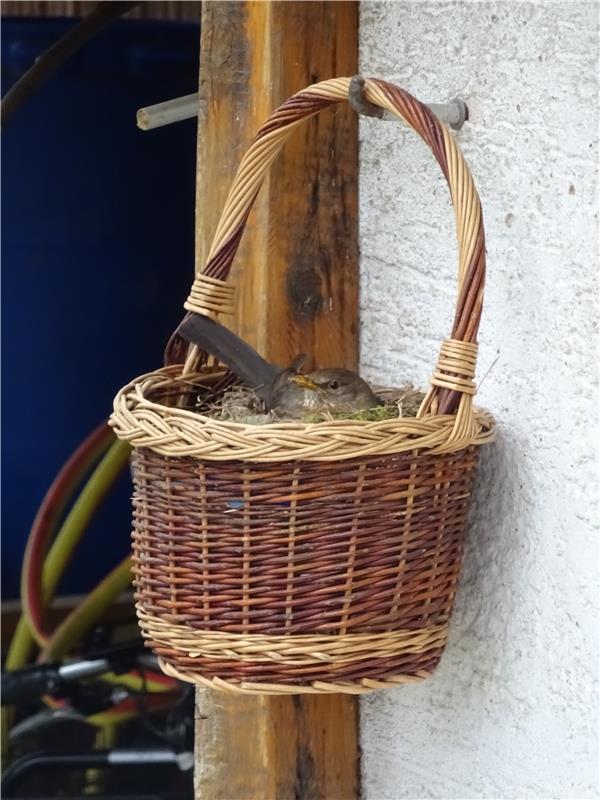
pixel 297 291
pixel 296 271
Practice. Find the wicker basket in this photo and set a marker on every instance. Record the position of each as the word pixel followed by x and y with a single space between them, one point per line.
pixel 294 557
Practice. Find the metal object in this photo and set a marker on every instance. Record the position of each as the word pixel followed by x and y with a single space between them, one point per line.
pixel 184 760
pixel 99 759
pixel 454 113
pixel 44 719
pixel 76 670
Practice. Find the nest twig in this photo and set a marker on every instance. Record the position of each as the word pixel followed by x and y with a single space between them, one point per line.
pixel 238 403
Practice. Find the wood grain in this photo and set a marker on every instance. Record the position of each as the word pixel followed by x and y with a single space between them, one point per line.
pixel 276 748
pixel 297 291
pixel 296 271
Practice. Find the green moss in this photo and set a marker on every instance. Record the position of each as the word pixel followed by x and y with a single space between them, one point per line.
pixel 377 414
pixel 409 405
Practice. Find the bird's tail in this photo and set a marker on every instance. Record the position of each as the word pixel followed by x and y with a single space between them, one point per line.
pixel 226 346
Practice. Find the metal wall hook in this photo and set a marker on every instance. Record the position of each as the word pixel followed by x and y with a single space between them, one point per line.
pixel 454 113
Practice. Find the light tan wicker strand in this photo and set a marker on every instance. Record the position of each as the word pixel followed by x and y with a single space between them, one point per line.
pixel 365 686
pixel 285 649
pixel 211 297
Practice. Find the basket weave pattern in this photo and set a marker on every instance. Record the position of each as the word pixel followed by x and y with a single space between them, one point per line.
pixel 295 557
pixel 303 555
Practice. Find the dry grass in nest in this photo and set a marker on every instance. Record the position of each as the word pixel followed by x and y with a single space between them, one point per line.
pixel 239 403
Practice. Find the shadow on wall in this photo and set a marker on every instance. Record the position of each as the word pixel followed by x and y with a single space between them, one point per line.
pixel 494 579
pixel 473 698
pixel 491 606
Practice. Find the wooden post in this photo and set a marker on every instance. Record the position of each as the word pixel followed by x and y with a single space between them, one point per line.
pixel 296 277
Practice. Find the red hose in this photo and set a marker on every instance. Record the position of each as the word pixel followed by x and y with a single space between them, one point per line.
pixel 50 511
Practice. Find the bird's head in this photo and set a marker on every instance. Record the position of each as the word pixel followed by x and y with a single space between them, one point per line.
pixel 339 389
pixel 334 390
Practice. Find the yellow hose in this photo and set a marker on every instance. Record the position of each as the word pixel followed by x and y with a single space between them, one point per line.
pixel 81 619
pixel 62 549
pixel 20 646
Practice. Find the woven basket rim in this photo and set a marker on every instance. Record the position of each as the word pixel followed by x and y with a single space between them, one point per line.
pixel 175 431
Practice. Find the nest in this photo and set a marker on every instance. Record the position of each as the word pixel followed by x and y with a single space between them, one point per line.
pixel 241 404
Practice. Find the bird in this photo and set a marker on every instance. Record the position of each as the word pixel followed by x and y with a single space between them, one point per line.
pixel 286 392
pixel 335 390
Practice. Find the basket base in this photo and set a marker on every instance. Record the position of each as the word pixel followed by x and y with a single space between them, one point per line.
pixel 293 664
pixel 365 686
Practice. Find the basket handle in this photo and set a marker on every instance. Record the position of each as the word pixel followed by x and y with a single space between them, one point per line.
pixel 452 384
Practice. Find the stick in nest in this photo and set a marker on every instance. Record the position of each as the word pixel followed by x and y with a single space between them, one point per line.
pixel 241 404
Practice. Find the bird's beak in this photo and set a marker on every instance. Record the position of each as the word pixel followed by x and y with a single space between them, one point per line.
pixel 305 382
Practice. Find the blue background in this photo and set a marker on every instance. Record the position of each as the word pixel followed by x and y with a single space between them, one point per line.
pixel 97 257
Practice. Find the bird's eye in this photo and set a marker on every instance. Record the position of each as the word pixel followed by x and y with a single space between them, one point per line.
pixel 334 385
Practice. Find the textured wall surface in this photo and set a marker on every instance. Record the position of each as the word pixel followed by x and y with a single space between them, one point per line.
pixel 512 710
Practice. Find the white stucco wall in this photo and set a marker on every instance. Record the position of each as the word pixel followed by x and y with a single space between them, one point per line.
pixel 512 710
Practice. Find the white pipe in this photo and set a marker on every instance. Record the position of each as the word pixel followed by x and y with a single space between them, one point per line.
pixel 168 112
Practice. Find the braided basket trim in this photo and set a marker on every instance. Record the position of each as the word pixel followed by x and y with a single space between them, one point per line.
pixel 297 649
pixel 176 432
pixel 364 686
